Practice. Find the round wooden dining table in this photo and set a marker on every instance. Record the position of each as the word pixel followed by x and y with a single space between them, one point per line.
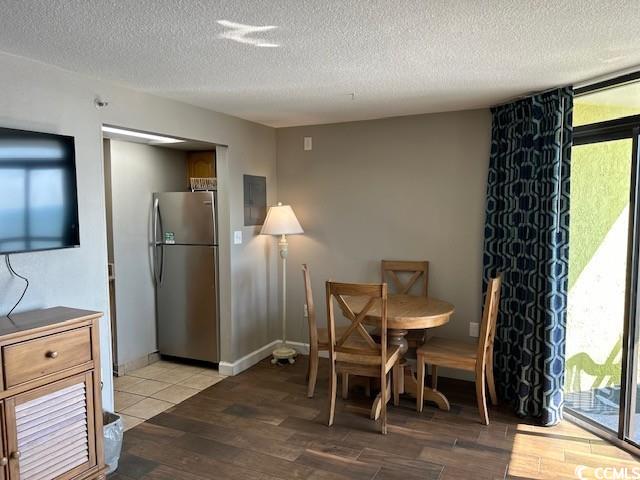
pixel 404 313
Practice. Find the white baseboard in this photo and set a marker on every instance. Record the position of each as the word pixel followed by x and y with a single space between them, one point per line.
pixel 249 360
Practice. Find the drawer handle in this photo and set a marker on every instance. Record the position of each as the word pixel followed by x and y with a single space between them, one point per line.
pixel 4 461
pixel 51 354
pixel 15 455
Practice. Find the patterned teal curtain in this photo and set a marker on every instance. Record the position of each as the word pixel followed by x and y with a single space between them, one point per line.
pixel 527 240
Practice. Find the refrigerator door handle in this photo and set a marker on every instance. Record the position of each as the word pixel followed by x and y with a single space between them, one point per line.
pixel 161 247
pixel 158 246
pixel 154 236
pixel 161 264
pixel 156 213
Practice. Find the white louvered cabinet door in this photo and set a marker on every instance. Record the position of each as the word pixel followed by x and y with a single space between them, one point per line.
pixel 50 430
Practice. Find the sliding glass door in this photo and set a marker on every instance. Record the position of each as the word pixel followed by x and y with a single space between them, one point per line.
pixel 598 265
pixel 602 377
pixel 602 380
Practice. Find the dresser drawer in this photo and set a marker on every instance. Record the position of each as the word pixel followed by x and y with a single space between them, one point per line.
pixel 33 359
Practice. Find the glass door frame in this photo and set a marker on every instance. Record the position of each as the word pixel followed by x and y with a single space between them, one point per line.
pixel 619 129
pixel 630 335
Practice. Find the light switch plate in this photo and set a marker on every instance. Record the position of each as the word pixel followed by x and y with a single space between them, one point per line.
pixel 308 144
pixel 237 237
pixel 474 329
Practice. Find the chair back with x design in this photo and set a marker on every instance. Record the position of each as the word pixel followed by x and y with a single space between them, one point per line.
pixel 355 345
pixel 417 270
pixel 488 324
pixel 311 308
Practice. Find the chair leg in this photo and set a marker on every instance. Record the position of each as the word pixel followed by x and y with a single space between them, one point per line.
pixel 420 386
pixel 345 386
pixel 313 372
pixel 434 377
pixel 367 387
pixel 306 377
pixel 491 383
pixel 481 396
pixel 333 387
pixel 383 414
pixel 397 371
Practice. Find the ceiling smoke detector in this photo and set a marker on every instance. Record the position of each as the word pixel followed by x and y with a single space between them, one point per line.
pixel 100 103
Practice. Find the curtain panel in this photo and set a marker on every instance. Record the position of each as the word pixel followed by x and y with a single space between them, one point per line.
pixel 527 242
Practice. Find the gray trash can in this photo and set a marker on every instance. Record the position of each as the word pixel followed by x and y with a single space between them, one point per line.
pixel 113 433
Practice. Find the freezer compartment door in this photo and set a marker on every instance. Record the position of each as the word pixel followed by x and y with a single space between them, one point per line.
pixel 185 218
pixel 187 303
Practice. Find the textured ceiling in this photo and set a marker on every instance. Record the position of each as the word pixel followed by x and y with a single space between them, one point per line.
pixel 397 57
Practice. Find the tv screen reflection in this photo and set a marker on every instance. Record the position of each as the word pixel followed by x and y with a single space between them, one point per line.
pixel 38 192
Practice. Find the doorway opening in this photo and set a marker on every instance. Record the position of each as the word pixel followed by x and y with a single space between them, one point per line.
pixel 138 165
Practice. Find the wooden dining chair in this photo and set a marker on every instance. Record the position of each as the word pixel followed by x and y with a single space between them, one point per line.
pixel 318 337
pixel 355 351
pixel 473 357
pixel 417 284
pixel 418 270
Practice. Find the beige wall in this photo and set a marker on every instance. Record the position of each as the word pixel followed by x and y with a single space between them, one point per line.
pixel 400 188
pixel 36 96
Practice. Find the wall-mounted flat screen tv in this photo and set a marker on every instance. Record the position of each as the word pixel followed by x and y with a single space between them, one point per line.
pixel 38 192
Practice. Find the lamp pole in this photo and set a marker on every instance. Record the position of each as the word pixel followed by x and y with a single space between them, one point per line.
pixel 284 252
pixel 284 352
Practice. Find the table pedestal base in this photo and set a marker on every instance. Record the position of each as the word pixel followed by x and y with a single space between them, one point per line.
pixel 430 394
pixel 410 386
pixel 408 383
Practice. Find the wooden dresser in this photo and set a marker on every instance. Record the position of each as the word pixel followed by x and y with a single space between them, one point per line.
pixel 50 399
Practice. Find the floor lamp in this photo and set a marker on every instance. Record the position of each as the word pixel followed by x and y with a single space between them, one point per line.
pixel 282 221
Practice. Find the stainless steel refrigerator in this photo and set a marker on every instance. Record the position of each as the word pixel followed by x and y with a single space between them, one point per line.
pixel 186 274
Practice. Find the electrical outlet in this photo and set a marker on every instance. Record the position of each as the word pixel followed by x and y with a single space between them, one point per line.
pixel 306 311
pixel 308 144
pixel 474 329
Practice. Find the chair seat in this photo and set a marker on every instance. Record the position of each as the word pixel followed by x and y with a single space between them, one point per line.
pixel 364 367
pixel 449 353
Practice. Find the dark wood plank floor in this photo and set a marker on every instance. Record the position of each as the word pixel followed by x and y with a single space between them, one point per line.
pixel 260 426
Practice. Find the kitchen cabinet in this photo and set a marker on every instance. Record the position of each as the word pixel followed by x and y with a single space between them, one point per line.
pixel 201 164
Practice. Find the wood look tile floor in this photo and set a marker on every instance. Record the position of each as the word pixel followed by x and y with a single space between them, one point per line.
pixel 260 425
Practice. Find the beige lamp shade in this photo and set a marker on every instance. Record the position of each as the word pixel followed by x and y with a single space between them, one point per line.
pixel 281 221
